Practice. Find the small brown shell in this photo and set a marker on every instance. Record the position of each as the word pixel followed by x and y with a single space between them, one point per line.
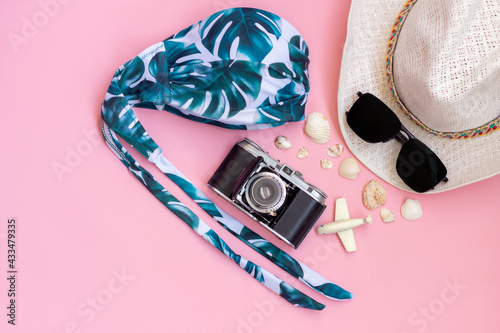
pixel 303 152
pixel 282 142
pixel 326 164
pixel 336 150
pixel 373 195
pixel 386 215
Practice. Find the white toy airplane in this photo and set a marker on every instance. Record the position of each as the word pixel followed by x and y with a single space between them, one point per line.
pixel 343 225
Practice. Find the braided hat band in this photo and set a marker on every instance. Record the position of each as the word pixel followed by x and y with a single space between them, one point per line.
pixel 489 127
pixel 444 74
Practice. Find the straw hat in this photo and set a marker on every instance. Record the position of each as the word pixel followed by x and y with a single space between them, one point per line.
pixel 436 64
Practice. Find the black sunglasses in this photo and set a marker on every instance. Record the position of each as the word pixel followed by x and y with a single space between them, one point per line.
pixel 417 165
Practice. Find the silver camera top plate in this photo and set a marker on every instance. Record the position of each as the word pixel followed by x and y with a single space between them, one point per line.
pixel 284 171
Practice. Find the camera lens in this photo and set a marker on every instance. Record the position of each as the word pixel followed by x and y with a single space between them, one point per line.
pixel 265 192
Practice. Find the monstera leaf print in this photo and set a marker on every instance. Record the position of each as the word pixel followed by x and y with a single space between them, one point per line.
pixel 287 292
pixel 217 68
pixel 299 56
pixel 247 32
pixel 290 108
pixel 131 75
pixel 216 89
pixel 275 254
pixel 194 192
pixel 183 51
pixel 158 91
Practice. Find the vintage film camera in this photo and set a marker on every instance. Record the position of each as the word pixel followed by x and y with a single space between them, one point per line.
pixel 271 193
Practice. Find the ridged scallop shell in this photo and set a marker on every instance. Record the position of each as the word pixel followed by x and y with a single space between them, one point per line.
pixel 282 142
pixel 349 168
pixel 326 164
pixel 303 152
pixel 317 127
pixel 411 210
pixel 335 150
pixel 373 195
pixel 386 215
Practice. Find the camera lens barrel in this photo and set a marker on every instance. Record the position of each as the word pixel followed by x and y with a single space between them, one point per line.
pixel 259 186
pixel 266 192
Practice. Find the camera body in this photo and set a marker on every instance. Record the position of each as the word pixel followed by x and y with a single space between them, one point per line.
pixel 271 193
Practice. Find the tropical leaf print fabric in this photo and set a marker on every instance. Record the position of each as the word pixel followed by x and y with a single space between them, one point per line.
pixel 269 280
pixel 240 68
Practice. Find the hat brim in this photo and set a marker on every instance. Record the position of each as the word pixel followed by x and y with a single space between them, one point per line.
pixel 364 69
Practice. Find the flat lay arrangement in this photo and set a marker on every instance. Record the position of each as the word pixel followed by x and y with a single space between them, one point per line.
pixel 336 153
pixel 245 68
pixel 197 59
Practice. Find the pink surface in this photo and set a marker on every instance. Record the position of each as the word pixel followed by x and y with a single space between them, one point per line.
pixel 97 253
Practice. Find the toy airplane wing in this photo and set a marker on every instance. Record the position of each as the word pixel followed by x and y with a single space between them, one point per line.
pixel 343 225
pixel 347 236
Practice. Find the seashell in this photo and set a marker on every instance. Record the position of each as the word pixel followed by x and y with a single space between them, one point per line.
pixel 336 150
pixel 282 142
pixel 349 168
pixel 373 195
pixel 386 215
pixel 411 210
pixel 317 127
pixel 303 152
pixel 326 164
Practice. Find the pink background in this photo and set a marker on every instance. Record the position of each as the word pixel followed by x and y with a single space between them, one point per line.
pixel 77 231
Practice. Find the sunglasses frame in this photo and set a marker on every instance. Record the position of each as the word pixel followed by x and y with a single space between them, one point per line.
pixel 401 138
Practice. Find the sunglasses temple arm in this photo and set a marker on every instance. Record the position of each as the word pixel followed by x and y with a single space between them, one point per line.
pixel 407 132
pixel 401 138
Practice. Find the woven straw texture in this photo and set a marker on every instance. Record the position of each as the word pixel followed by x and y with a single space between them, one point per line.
pixel 446 69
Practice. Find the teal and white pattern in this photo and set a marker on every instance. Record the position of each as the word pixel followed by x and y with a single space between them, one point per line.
pixel 240 68
pixel 268 279
pixel 252 239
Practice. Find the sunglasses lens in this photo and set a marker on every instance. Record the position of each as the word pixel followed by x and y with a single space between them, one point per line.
pixel 372 120
pixel 419 167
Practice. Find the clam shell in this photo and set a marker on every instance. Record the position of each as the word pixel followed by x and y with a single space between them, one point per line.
pixel 411 210
pixel 326 164
pixel 303 152
pixel 349 168
pixel 282 142
pixel 317 127
pixel 335 150
pixel 373 195
pixel 386 215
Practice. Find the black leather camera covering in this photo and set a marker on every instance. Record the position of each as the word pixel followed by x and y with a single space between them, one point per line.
pixel 228 173
pixel 300 216
pixel 294 220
